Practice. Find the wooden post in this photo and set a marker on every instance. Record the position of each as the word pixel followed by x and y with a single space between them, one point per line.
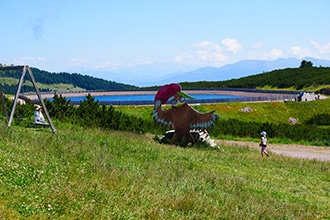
pixel 16 97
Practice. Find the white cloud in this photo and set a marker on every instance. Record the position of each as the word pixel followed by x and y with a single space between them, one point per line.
pixel 323 49
pixel 299 52
pixel 108 65
pixel 202 53
pixel 75 62
pixel 33 58
pixel 203 44
pixel 232 45
pixel 261 55
pixel 182 57
pixel 105 64
pixel 274 54
pixel 257 45
pixel 118 64
pixel 211 54
pixel 27 61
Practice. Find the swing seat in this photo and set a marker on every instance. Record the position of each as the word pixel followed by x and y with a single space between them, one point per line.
pixel 36 123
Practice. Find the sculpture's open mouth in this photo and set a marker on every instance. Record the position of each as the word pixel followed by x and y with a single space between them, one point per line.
pixel 178 103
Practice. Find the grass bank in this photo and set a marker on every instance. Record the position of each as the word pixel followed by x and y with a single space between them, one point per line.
pixel 272 112
pixel 81 173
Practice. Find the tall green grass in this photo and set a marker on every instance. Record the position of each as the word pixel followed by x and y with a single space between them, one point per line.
pixel 81 173
pixel 272 112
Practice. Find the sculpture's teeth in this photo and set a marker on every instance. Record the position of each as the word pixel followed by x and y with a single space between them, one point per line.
pixel 155 114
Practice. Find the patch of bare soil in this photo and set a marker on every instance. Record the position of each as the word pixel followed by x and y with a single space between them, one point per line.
pixel 290 150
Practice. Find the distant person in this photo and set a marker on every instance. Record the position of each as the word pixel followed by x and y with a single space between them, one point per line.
pixel 38 116
pixel 263 144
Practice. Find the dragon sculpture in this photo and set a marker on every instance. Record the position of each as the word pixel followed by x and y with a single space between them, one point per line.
pixel 180 116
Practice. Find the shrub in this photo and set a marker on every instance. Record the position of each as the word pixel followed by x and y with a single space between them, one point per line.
pixel 91 114
pixel 60 107
pixel 296 132
pixel 319 119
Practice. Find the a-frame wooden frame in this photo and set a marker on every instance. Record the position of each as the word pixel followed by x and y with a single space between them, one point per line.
pixel 24 69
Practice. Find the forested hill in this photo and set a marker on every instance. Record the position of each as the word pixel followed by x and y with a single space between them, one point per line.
pixel 83 81
pixel 46 78
pixel 295 78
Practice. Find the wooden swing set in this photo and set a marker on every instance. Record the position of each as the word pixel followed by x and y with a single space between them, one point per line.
pixel 24 69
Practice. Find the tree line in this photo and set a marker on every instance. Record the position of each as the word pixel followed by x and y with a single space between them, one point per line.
pixel 297 78
pixel 82 81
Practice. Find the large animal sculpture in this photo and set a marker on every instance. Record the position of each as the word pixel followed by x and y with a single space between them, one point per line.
pixel 180 116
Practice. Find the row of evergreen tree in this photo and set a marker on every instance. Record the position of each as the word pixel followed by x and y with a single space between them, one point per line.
pixel 297 78
pixel 82 81
pixel 91 114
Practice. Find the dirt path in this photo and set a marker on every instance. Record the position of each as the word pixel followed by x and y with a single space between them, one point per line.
pixel 291 150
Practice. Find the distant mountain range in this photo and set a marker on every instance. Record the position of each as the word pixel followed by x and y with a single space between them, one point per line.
pixel 237 70
pixel 163 73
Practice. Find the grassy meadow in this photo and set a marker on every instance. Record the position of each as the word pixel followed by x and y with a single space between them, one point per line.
pixel 272 112
pixel 261 112
pixel 81 173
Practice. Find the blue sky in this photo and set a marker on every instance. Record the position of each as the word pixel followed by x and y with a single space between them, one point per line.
pixel 173 35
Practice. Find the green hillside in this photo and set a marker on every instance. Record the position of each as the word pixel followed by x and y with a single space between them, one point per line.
pixel 311 78
pixel 12 83
pixel 273 116
pixel 57 82
pixel 261 112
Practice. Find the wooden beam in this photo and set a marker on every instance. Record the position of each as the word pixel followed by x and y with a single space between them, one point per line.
pixel 16 97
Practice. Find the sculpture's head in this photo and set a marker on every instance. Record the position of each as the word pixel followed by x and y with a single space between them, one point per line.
pixel 171 90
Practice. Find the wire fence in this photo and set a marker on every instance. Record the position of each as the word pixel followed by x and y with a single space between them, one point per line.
pixel 272 95
pixel 198 101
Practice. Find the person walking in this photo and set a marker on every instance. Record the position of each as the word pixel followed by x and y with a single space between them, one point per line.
pixel 263 144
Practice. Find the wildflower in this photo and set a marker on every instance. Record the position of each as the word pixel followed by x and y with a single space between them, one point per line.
pixel 246 109
pixel 293 120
